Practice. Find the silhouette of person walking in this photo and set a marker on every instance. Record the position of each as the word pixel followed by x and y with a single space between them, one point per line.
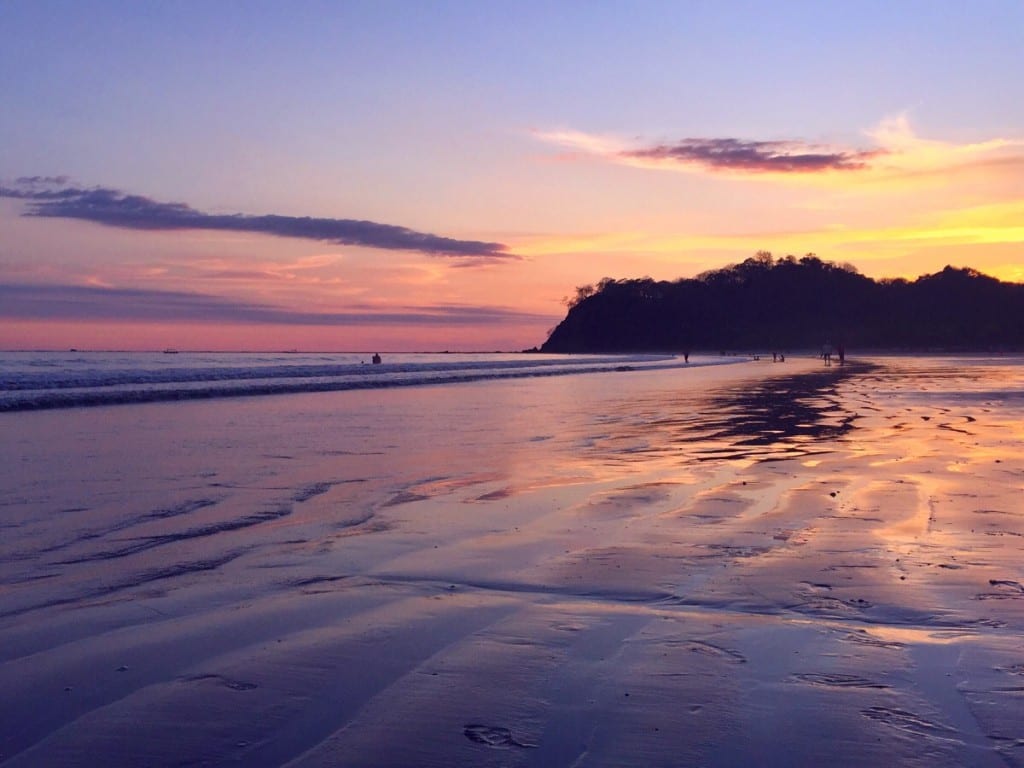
pixel 826 353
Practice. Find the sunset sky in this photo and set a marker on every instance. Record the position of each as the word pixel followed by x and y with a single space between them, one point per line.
pixel 402 176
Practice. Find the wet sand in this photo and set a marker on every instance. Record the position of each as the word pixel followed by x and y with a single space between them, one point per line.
pixel 754 564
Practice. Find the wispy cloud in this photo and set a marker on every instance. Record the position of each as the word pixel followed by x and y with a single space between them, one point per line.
pixel 719 155
pixel 23 301
pixel 912 155
pixel 31 181
pixel 895 153
pixel 51 197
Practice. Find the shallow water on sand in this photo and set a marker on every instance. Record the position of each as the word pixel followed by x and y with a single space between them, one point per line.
pixel 747 564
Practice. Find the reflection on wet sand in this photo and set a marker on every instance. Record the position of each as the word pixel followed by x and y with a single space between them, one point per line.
pixel 757 419
pixel 796 567
pixel 784 416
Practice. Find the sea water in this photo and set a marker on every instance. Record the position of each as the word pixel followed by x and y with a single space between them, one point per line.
pixel 43 380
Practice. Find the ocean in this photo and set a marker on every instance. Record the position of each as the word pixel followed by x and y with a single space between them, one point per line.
pixel 41 380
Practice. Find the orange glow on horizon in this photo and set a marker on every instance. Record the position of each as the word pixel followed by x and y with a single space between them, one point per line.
pixel 213 337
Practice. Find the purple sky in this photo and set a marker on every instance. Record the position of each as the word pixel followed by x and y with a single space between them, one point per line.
pixel 400 175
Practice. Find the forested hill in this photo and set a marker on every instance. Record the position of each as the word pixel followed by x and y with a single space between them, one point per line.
pixel 768 304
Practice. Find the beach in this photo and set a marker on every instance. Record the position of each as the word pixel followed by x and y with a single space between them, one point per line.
pixel 746 564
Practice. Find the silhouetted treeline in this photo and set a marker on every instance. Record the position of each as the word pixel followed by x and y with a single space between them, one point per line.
pixel 789 303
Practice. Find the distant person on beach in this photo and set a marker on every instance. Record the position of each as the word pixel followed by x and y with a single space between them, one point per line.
pixel 376 359
pixel 826 353
pixel 686 357
pixel 841 352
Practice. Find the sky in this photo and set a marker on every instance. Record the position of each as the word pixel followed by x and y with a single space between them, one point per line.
pixel 426 176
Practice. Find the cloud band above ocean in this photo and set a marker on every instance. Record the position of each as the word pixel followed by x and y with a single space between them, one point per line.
pixel 24 301
pixel 51 197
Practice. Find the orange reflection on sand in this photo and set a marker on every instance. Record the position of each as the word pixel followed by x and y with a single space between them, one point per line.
pixel 889 633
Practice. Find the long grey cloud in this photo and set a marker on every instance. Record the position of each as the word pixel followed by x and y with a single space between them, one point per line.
pixel 50 197
pixel 729 154
pixel 25 301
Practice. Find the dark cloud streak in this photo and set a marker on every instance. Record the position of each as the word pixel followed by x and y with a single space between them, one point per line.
pixel 729 154
pixel 48 198
pixel 24 301
pixel 31 180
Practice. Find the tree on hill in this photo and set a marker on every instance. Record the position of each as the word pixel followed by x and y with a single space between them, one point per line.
pixel 787 303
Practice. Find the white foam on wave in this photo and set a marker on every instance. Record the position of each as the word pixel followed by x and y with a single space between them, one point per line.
pixel 36 381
